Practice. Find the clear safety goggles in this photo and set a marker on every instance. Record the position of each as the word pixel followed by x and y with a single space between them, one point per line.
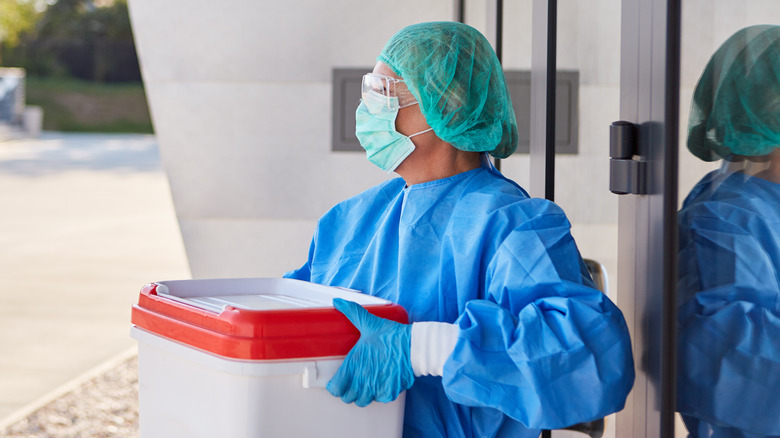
pixel 392 92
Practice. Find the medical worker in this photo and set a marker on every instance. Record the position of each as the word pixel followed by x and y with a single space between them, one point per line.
pixel 508 334
pixel 729 288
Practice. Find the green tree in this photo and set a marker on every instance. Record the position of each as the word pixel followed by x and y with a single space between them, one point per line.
pixel 81 19
pixel 87 39
pixel 16 18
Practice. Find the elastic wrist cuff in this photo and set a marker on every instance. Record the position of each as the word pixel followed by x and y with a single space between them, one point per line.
pixel 432 345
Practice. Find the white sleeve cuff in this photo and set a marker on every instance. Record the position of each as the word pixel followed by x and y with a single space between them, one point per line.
pixel 432 345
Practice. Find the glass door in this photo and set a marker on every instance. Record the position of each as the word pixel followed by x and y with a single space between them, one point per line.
pixel 691 245
pixel 729 220
pixel 580 42
pixel 698 237
pixel 626 55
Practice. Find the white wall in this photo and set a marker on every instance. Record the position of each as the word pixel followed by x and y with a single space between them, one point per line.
pixel 241 100
pixel 240 95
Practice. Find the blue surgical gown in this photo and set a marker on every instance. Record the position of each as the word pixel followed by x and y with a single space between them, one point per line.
pixel 538 346
pixel 729 314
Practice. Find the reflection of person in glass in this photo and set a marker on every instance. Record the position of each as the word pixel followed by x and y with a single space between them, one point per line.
pixel 729 314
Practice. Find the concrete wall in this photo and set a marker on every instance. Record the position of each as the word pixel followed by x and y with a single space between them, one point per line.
pixel 240 96
pixel 241 101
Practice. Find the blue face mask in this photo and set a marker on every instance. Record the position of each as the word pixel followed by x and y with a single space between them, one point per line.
pixel 375 128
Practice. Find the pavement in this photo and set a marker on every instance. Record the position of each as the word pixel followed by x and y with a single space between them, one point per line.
pixel 85 221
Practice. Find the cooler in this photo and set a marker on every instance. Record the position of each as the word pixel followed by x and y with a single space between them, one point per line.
pixel 235 358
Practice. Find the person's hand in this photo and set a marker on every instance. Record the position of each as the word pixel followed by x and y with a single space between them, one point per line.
pixel 378 366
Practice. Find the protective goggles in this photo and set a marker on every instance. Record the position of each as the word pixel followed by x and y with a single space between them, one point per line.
pixel 393 92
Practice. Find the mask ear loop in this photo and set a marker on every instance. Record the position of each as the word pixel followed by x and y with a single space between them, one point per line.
pixel 421 132
pixel 410 104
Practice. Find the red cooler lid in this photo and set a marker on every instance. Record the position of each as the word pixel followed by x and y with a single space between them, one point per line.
pixel 255 318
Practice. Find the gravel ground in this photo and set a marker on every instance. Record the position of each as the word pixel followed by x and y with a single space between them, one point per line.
pixel 104 407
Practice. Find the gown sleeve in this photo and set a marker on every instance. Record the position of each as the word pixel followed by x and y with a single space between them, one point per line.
pixel 729 318
pixel 543 347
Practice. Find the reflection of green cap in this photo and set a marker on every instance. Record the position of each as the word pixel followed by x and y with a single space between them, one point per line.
pixel 736 104
pixel 455 75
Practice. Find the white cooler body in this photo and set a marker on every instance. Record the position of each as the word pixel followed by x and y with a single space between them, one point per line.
pixel 187 392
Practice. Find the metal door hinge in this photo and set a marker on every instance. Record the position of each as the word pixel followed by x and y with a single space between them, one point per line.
pixel 627 172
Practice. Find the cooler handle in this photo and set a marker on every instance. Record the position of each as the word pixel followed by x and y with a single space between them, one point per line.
pixel 318 374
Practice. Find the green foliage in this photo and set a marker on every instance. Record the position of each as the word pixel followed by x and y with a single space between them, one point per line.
pixel 79 20
pixel 76 38
pixel 16 18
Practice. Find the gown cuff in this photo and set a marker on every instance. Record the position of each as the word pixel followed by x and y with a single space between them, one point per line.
pixel 432 345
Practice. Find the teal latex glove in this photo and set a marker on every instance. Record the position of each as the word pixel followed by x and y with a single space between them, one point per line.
pixel 378 368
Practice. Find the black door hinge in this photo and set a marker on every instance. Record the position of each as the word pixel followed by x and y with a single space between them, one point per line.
pixel 627 171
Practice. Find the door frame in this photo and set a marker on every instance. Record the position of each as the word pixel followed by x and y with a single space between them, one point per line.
pixel 647 224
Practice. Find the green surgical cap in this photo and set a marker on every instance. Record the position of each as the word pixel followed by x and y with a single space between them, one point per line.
pixel 736 103
pixel 455 75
